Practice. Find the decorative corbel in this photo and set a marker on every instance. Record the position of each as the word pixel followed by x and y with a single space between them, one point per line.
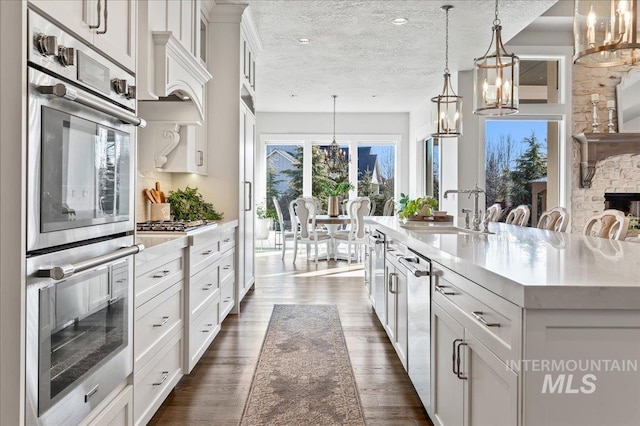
pixel 173 135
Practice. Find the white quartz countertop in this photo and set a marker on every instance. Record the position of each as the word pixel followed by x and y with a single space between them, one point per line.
pixel 174 239
pixel 534 268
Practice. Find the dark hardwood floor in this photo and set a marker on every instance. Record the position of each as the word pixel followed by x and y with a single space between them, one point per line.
pixel 216 390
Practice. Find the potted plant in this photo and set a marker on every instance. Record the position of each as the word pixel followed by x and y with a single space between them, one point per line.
pixel 334 191
pixel 421 206
pixel 264 220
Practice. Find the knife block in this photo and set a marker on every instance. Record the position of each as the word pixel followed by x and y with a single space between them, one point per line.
pixel 160 212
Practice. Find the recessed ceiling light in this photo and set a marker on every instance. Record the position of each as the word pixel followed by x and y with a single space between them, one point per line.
pixel 294 96
pixel 400 21
pixel 303 40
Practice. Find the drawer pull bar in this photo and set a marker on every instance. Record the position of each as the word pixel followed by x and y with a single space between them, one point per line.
pixel 227 267
pixel 210 328
pixel 441 289
pixel 478 316
pixel 91 393
pixel 161 274
pixel 165 375
pixel 207 252
pixel 207 287
pixel 163 322
pixel 453 357
pixel 409 263
pixel 226 240
pixel 458 373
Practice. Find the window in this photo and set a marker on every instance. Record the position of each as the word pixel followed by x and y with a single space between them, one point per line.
pixel 432 150
pixel 284 175
pixel 539 82
pixel 521 163
pixel 376 175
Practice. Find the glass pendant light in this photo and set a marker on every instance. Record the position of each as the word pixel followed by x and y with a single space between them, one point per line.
pixel 496 77
pixel 448 105
pixel 605 32
pixel 335 158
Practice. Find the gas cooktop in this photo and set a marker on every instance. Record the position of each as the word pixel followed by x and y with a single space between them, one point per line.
pixel 172 227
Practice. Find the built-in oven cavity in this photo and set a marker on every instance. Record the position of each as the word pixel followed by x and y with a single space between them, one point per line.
pixel 627 202
pixel 83 323
pixel 85 178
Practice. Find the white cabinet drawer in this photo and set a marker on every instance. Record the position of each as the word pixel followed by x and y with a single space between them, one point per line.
pixel 203 330
pixel 227 266
pixel 158 275
pixel 155 380
pixel 226 299
pixel 227 239
pixel 204 287
pixel 202 255
pixel 156 321
pixel 496 321
pixel 119 411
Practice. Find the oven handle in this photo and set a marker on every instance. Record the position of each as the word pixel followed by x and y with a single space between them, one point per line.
pixel 65 271
pixel 62 91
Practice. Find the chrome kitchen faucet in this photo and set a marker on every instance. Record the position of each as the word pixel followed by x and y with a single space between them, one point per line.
pixel 476 191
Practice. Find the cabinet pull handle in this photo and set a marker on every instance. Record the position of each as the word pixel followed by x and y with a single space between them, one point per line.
pixel 226 267
pixel 441 289
pixel 207 252
pixel 163 322
pixel 92 392
pixel 453 357
pixel 226 240
pixel 207 287
pixel 161 274
pixel 210 328
pixel 165 375
pixel 93 27
pixel 106 18
pixel 459 374
pixel 478 316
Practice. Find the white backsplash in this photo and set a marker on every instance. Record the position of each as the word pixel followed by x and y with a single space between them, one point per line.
pixel 148 179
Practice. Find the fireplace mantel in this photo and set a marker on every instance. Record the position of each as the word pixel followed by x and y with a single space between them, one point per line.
pixel 598 146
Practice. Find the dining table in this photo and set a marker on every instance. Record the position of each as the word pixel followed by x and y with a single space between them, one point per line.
pixel 333 224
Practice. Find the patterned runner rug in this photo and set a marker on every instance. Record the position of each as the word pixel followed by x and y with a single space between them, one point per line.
pixel 303 376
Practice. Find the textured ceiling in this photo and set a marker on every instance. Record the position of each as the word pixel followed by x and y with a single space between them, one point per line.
pixel 358 54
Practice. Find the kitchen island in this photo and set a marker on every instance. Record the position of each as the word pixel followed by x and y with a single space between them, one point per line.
pixel 528 327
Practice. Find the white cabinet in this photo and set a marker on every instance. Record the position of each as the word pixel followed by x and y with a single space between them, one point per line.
pixel 210 288
pixel 246 255
pixel 109 25
pixel 471 384
pixel 190 155
pixel 159 325
pixel 396 324
pixel 119 411
pixel 247 64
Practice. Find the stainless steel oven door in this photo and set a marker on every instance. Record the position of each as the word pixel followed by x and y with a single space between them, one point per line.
pixel 80 166
pixel 79 329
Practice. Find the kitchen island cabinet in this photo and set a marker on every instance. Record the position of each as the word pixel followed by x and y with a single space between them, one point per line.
pixel 530 327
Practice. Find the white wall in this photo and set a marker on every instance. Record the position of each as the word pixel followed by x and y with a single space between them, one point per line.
pixel 13 126
pixel 293 123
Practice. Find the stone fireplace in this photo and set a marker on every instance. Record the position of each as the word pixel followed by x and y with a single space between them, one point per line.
pixel 628 202
pixel 615 174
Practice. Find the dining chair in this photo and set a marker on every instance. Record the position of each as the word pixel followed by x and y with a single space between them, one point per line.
pixel 284 234
pixel 519 216
pixel 556 219
pixel 305 210
pixel 355 236
pixel 611 224
pixel 388 208
pixel 494 212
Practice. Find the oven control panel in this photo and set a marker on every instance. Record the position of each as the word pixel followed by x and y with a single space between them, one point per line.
pixel 60 53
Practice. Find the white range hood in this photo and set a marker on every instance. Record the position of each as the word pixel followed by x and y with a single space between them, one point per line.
pixel 172 97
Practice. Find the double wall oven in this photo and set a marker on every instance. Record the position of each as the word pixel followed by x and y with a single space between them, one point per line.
pixel 80 224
